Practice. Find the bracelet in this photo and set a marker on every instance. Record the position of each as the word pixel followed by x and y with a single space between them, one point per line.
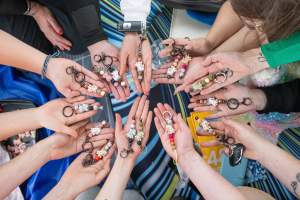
pixel 45 66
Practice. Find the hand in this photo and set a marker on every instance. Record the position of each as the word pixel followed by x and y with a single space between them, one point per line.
pixel 139 110
pixel 128 57
pixel 241 64
pixel 49 26
pixel 235 91
pixel 65 83
pixel 195 47
pixel 78 179
pixel 183 135
pixel 62 145
pixel 51 116
pixel 108 49
pixel 194 72
pixel 241 133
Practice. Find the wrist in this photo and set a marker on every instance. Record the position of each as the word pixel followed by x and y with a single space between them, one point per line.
pixel 33 8
pixel 62 191
pixel 94 47
pixel 259 99
pixel 127 163
pixel 256 60
pixel 185 158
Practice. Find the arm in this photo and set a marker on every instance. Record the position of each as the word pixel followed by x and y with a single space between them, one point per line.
pixel 277 161
pixel 37 156
pixel 123 167
pixel 26 120
pixel 207 180
pixel 29 59
pixel 283 98
pixel 54 147
pixel 13 7
pixel 227 21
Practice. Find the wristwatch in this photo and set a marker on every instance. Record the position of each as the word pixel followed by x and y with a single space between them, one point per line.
pixel 132 26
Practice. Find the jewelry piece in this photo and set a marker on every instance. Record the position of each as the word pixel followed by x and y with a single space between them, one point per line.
pixel 79 77
pixel 140 66
pixel 124 153
pixel 89 159
pixel 184 66
pixel 140 133
pixel 204 126
pixel 236 152
pixel 169 128
pixel 100 154
pixel 108 71
pixel 93 88
pixel 219 77
pixel 97 130
pixel 231 103
pixel 69 111
pixel 131 133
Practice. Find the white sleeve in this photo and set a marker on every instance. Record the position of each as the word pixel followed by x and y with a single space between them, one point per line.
pixel 135 10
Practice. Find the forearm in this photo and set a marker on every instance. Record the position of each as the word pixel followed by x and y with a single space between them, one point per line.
pixel 210 184
pixel 241 41
pixel 117 179
pixel 18 121
pixel 61 192
pixel 278 161
pixel 226 24
pixel 19 169
pixel 15 53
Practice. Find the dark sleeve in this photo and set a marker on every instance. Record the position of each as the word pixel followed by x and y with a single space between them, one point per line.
pixel 284 98
pixel 13 7
pixel 85 16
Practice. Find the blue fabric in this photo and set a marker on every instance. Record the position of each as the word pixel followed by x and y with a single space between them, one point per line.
pixel 18 84
pixel 207 18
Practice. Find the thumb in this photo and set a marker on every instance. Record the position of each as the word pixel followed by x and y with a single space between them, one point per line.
pixel 123 63
pixel 209 60
pixel 180 88
pixel 118 124
pixel 237 126
pixel 69 131
pixel 57 28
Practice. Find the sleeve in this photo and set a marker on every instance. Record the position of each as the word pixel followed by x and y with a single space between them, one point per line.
pixel 284 98
pixel 85 15
pixel 13 7
pixel 135 10
pixel 282 51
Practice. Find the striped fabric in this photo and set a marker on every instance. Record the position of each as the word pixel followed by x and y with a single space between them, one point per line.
pixel 154 174
pixel 289 140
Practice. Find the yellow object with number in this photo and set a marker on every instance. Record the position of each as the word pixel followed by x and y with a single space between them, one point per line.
pixel 212 155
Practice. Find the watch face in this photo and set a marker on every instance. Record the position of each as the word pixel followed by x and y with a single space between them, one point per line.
pixel 126 25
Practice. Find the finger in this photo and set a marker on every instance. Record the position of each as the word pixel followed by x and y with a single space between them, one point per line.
pixel 169 108
pixel 62 41
pixel 75 99
pixel 204 108
pixel 140 107
pixel 135 74
pixel 87 72
pixel 82 116
pixel 159 117
pixel 69 131
pixel 133 109
pixel 145 111
pixel 212 143
pixel 127 88
pixel 56 27
pixel 181 88
pixel 104 137
pixel 147 128
pixel 114 91
pixel 123 62
pixel 147 75
pixel 118 124
pixel 121 93
pixel 158 126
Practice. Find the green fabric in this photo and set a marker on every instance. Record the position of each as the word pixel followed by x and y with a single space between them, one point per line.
pixel 282 51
